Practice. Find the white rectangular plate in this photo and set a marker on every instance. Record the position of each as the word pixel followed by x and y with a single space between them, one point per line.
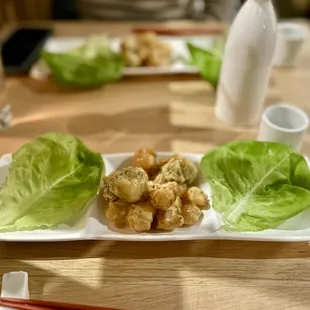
pixel 94 225
pixel 178 44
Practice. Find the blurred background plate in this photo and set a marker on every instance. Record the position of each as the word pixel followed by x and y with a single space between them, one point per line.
pixel 178 44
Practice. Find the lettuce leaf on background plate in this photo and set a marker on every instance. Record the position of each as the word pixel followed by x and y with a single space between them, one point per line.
pixel 90 65
pixel 256 185
pixel 50 180
pixel 208 62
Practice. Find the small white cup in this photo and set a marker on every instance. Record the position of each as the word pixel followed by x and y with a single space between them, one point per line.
pixel 290 39
pixel 283 123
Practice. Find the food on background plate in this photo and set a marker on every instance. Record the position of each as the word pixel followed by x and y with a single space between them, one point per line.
pixel 145 50
pixel 51 179
pixel 257 185
pixel 151 193
pixel 94 63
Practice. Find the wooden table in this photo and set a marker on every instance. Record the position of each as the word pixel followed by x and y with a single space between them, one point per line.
pixel 169 113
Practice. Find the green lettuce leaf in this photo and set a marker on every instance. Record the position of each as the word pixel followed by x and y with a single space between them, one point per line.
pixel 257 185
pixel 90 65
pixel 207 62
pixel 50 180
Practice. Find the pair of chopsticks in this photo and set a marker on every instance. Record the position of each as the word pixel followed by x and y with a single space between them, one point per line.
pixel 179 31
pixel 27 304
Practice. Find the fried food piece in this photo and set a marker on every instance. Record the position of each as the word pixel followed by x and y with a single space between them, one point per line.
pixel 159 55
pixel 117 213
pixel 172 217
pixel 165 160
pixel 127 184
pixel 132 59
pixel 180 170
pixel 143 53
pixel 162 196
pixel 154 60
pixel 196 196
pixel 165 49
pixel 145 50
pixel 179 189
pixel 147 39
pixel 146 159
pixel 140 216
pixel 191 214
pixel 129 43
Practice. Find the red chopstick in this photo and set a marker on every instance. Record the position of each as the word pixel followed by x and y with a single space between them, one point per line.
pixel 23 306
pixel 179 31
pixel 28 304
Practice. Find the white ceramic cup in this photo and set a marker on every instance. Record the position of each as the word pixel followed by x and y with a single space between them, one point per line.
pixel 290 39
pixel 283 123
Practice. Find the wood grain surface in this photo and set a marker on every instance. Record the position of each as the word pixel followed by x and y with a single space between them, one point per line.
pixel 169 113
